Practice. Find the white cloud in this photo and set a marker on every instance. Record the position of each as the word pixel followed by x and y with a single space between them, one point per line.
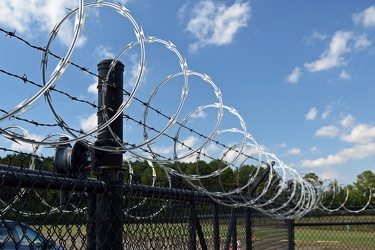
pixel 315 36
pixel 326 113
pixel 294 151
pixel 214 23
pixel 365 18
pixel 330 174
pixel 186 146
pixel 347 121
pixel 314 150
pixel 361 133
pixel 26 147
pixel 199 114
pixel 93 88
pixel 332 57
pixel 89 123
pixel 328 131
pixel 361 42
pixel 33 16
pixel 295 75
pixel 162 150
pixel 318 36
pixel 187 143
pixel 104 52
pixel 182 12
pixel 345 75
pixel 240 159
pixel 131 72
pixel 123 2
pixel 183 148
pixel 281 145
pixel 357 152
pixel 311 115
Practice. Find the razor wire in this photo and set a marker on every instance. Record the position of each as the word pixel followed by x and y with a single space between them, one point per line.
pixel 285 194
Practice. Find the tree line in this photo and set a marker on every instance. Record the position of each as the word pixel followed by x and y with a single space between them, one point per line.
pixel 221 178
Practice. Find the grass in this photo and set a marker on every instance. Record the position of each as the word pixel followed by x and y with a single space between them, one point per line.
pixel 305 237
pixel 334 239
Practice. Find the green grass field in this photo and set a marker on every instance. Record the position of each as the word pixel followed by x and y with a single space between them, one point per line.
pixel 305 237
pixel 333 239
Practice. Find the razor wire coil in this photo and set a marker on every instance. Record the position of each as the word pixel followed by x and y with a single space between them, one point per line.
pixel 285 193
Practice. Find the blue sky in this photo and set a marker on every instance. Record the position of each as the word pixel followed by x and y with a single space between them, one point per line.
pixel 300 73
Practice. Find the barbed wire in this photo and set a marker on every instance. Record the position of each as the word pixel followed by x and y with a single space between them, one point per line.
pixel 285 193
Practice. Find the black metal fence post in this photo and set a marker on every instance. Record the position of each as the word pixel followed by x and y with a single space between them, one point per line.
pixel 232 231
pixel 291 234
pixel 192 227
pixel 249 231
pixel 108 165
pixel 216 226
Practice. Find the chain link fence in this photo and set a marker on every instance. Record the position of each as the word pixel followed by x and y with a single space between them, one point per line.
pixel 41 209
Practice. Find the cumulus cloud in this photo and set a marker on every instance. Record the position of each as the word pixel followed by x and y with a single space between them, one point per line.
pixel 295 75
pixel 342 42
pixel 230 155
pixel 214 23
pixel 327 131
pixel 93 88
pixel 26 147
pixel 311 115
pixel 163 150
pixel 294 151
pixel 33 16
pixel 347 121
pixel 361 134
pixel 89 123
pixel 104 52
pixel 365 18
pixel 333 56
pixel 359 151
pixel 189 142
pixel 330 174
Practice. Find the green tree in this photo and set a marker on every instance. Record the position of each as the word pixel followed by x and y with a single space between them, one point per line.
pixel 364 187
pixel 312 178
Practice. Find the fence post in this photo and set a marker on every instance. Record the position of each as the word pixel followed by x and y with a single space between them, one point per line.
pixel 216 227
pixel 192 227
pixel 232 230
pixel 107 166
pixel 249 231
pixel 291 234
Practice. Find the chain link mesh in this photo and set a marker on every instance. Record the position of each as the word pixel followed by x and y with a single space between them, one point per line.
pixel 41 209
